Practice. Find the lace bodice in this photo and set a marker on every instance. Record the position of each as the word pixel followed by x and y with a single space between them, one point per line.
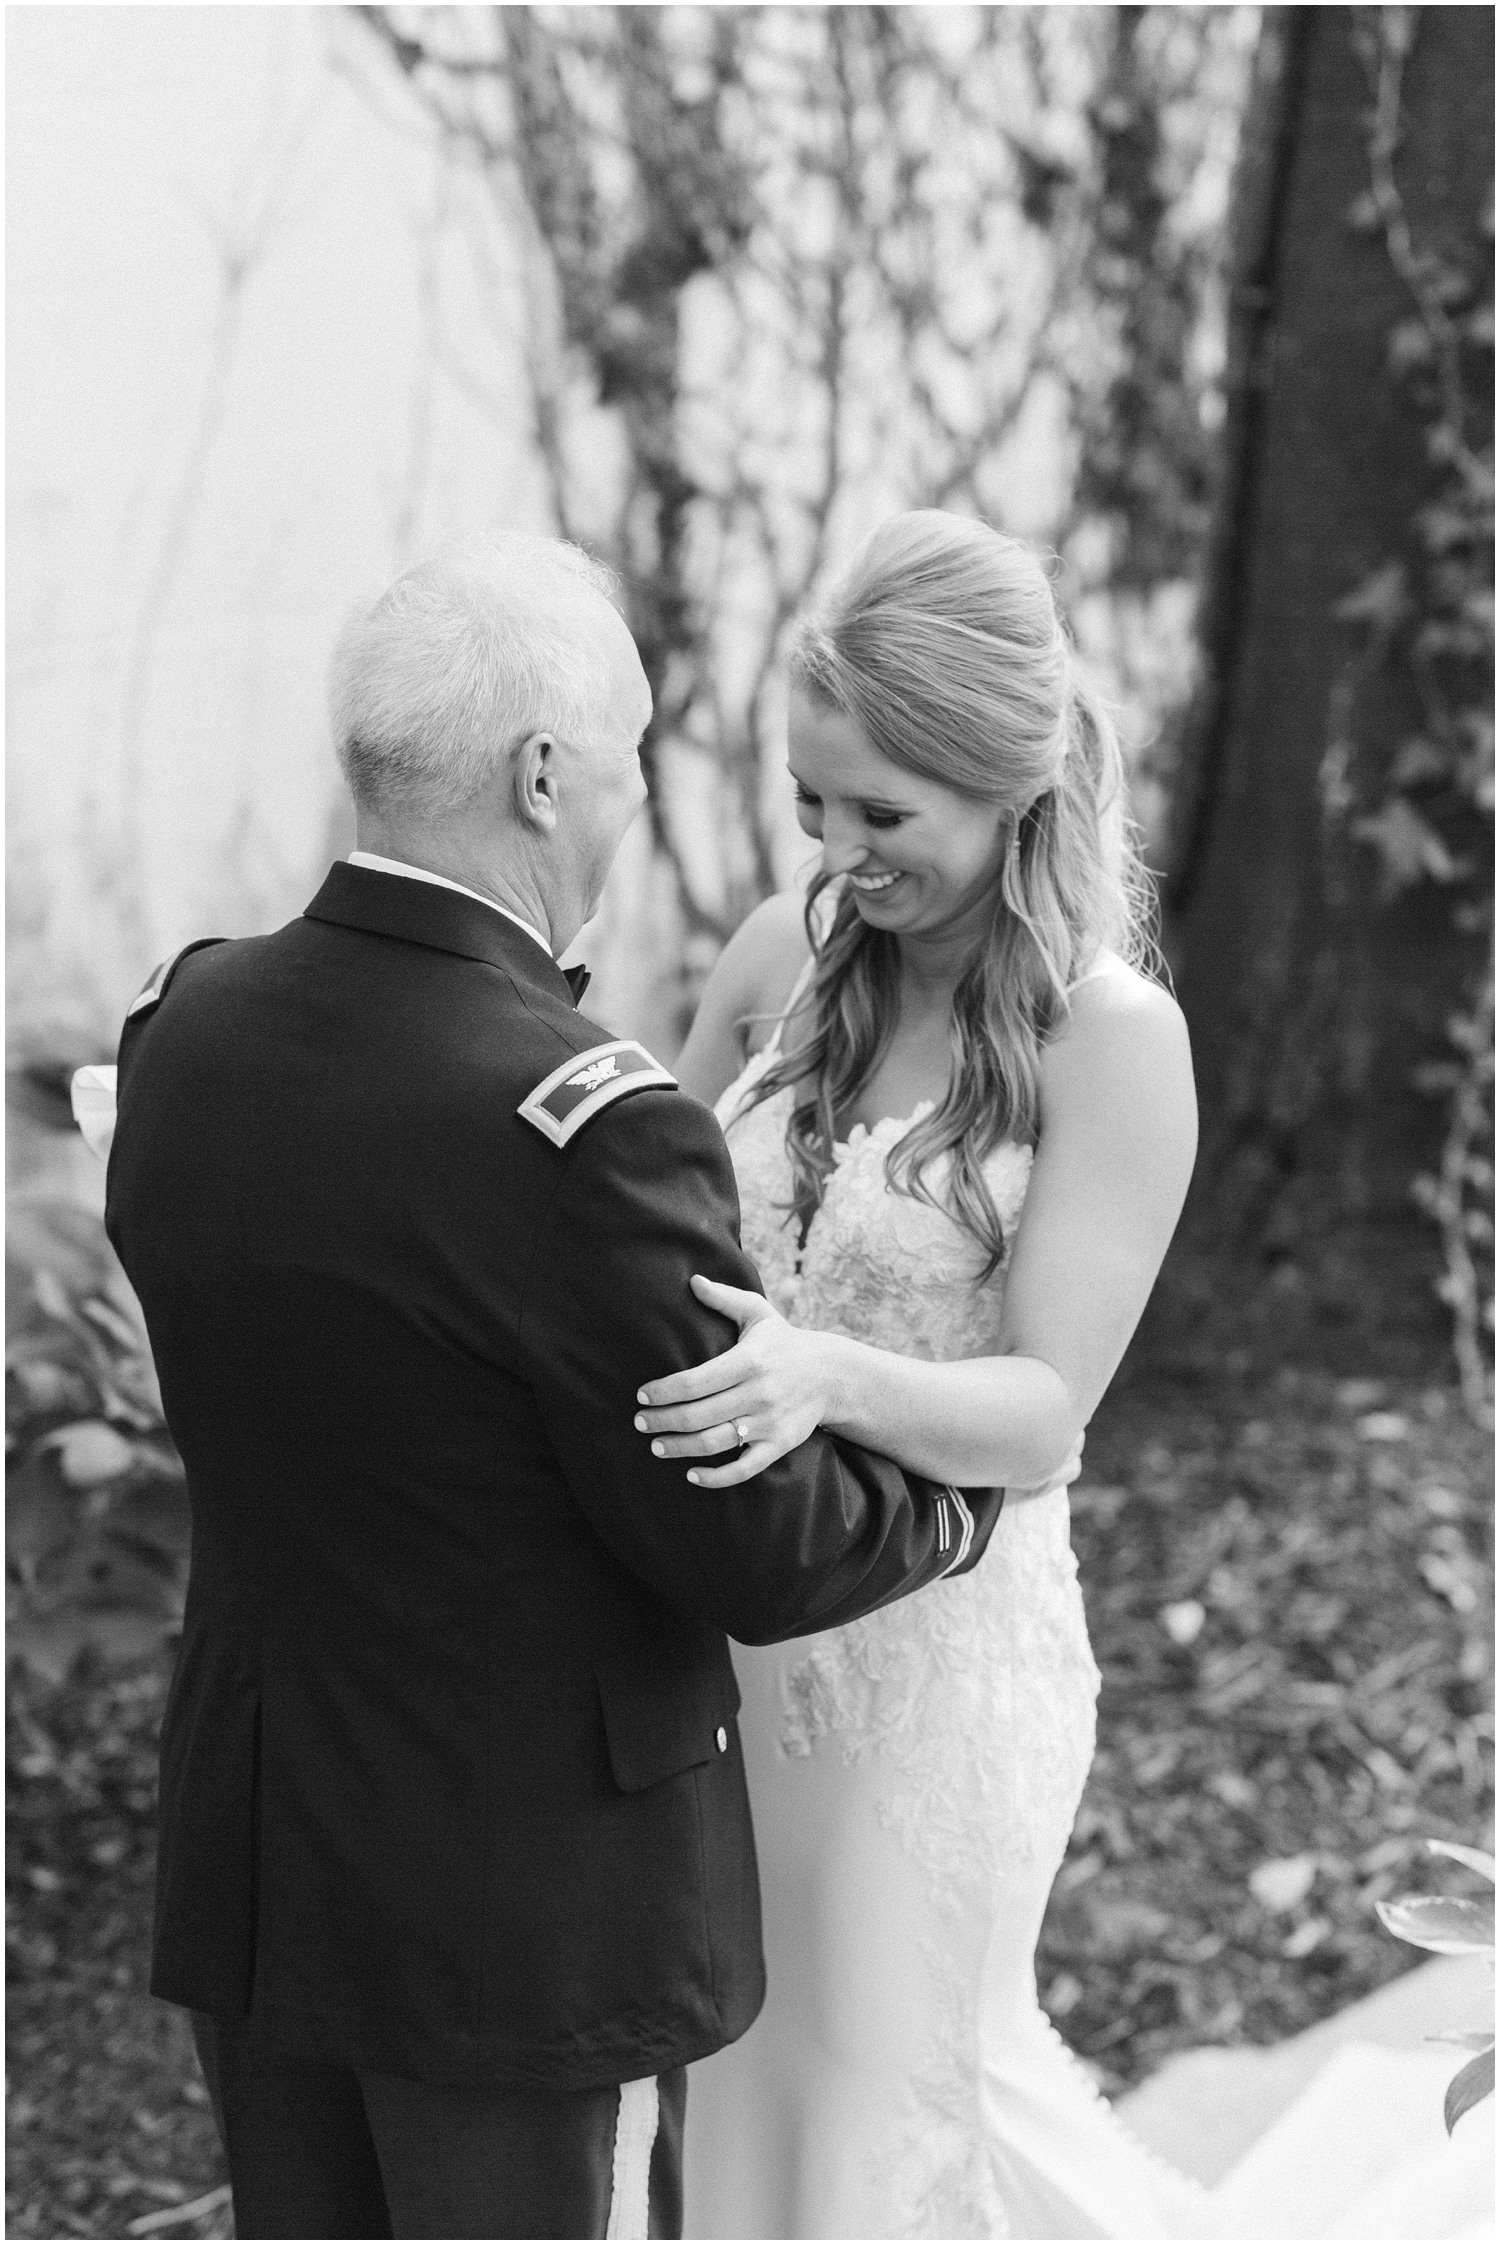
pixel 878 1266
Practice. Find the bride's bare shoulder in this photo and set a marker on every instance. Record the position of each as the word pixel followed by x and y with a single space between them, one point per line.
pixel 751 980
pixel 769 950
pixel 1121 1049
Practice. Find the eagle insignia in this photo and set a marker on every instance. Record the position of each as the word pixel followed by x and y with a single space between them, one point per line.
pixel 590 1078
pixel 583 1086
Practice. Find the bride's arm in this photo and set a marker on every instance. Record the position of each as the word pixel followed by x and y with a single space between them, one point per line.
pixel 751 977
pixel 1114 1155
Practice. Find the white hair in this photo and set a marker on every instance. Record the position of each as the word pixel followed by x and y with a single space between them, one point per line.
pixel 465 656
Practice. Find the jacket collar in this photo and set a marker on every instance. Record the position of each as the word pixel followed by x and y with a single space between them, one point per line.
pixel 354 896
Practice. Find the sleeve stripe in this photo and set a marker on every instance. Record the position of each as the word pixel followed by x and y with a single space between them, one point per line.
pixel 153 989
pixel 966 1537
pixel 143 1001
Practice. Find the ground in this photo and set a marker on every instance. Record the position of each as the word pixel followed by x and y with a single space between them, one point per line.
pixel 1287 1582
pixel 1288 1594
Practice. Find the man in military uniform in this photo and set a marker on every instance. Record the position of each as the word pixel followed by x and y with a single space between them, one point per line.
pixel 456 1869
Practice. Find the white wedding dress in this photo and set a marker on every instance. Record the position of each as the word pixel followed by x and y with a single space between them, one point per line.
pixel 914 1778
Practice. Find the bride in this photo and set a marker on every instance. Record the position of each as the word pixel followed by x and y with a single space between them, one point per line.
pixel 962 1120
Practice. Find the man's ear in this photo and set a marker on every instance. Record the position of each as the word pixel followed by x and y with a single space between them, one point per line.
pixel 534 781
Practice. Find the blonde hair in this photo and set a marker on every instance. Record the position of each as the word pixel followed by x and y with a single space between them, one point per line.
pixel 470 651
pixel 944 644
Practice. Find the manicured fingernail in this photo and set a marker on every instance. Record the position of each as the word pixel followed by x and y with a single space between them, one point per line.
pixel 640 1423
pixel 658 1449
pixel 694 1478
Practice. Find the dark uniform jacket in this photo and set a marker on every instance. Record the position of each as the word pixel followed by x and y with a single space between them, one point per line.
pixel 451 1786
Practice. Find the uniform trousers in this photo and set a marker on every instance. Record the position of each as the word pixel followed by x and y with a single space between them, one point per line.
pixel 317 2150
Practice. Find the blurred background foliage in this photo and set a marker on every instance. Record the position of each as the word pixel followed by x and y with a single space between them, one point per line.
pixel 1200 298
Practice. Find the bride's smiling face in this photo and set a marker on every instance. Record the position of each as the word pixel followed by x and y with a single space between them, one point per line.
pixel 918 856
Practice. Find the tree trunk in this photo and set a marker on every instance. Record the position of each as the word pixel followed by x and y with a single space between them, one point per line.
pixel 1314 992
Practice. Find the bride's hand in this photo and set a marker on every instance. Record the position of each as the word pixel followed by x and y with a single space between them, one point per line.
pixel 766 1393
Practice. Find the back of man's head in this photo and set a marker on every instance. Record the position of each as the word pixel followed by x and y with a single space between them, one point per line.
pixel 470 652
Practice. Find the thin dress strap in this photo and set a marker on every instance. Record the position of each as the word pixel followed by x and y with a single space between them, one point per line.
pixel 1093 975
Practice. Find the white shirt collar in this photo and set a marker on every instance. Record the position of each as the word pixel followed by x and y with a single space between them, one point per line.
pixel 374 864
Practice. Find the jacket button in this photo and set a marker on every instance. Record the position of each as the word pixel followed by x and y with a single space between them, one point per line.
pixel 721 1739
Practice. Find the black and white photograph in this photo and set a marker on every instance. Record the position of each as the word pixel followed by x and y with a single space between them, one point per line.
pixel 750 1106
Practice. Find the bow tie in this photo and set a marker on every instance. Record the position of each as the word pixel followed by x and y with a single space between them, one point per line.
pixel 578 980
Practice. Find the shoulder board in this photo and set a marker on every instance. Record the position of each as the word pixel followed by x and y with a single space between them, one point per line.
pixel 156 988
pixel 582 1087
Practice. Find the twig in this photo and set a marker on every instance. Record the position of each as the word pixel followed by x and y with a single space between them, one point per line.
pixel 420 433
pixel 147 2225
pixel 1446 1198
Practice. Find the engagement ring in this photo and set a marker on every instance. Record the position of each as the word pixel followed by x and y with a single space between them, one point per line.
pixel 742 1429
